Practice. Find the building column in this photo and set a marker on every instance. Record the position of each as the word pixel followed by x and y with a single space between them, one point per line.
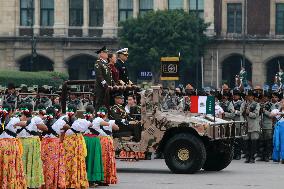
pixel 258 73
pixel 59 17
pixel 160 4
pixel 272 17
pixel 85 18
pixel 209 16
pixel 135 8
pixel 110 18
pixel 186 5
pixel 36 17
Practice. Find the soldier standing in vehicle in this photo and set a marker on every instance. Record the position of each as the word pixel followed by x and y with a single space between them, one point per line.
pixel 121 66
pixel 228 107
pixel 103 78
pixel 251 112
pixel 266 125
pixel 237 101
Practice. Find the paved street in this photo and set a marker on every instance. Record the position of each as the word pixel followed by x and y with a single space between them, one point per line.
pixel 155 175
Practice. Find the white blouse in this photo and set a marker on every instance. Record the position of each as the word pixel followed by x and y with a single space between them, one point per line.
pixel 31 127
pixel 57 126
pixel 10 126
pixel 80 125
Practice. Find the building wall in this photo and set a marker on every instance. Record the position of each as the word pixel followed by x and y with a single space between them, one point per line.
pixel 258 17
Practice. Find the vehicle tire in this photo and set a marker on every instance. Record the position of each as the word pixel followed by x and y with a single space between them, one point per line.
pixel 185 153
pixel 217 161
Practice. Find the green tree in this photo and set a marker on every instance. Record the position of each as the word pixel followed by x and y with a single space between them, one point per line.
pixel 163 33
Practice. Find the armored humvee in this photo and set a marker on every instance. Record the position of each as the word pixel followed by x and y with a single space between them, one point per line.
pixel 189 142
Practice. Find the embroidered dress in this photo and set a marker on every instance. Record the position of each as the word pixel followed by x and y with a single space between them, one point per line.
pixel 11 165
pixel 94 161
pixel 32 153
pixel 53 154
pixel 75 154
pixel 108 153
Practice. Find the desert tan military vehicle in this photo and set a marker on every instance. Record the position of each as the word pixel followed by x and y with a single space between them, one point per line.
pixel 188 142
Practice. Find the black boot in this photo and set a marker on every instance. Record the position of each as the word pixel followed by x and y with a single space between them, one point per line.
pixel 237 149
pixel 246 150
pixel 253 150
pixel 267 150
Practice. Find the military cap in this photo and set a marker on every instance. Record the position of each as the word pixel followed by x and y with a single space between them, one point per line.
pixel 103 49
pixel 11 86
pixel 118 95
pixel 236 92
pixel 123 51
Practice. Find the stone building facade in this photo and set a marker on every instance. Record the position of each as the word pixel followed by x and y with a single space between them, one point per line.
pixel 261 22
pixel 68 32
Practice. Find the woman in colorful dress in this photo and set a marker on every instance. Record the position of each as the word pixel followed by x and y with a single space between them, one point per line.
pixel 75 154
pixel 11 163
pixel 106 126
pixel 94 162
pixel 29 137
pixel 52 152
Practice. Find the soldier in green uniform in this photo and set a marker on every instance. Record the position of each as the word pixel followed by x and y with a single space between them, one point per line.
pixel 125 122
pixel 237 102
pixel 251 112
pixel 103 78
pixel 266 124
pixel 228 107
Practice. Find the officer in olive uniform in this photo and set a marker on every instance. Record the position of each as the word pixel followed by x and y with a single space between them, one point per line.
pixel 103 78
pixel 266 124
pixel 120 65
pixel 228 107
pixel 123 119
pixel 251 112
pixel 237 102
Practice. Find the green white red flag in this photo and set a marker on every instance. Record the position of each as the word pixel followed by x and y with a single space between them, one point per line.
pixel 202 104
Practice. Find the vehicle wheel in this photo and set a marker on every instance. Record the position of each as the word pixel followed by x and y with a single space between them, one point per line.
pixel 185 153
pixel 217 161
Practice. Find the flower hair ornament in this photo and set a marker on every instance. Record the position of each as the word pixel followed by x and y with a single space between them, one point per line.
pixel 25 110
pixel 102 112
pixel 49 116
pixel 87 115
pixel 42 111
